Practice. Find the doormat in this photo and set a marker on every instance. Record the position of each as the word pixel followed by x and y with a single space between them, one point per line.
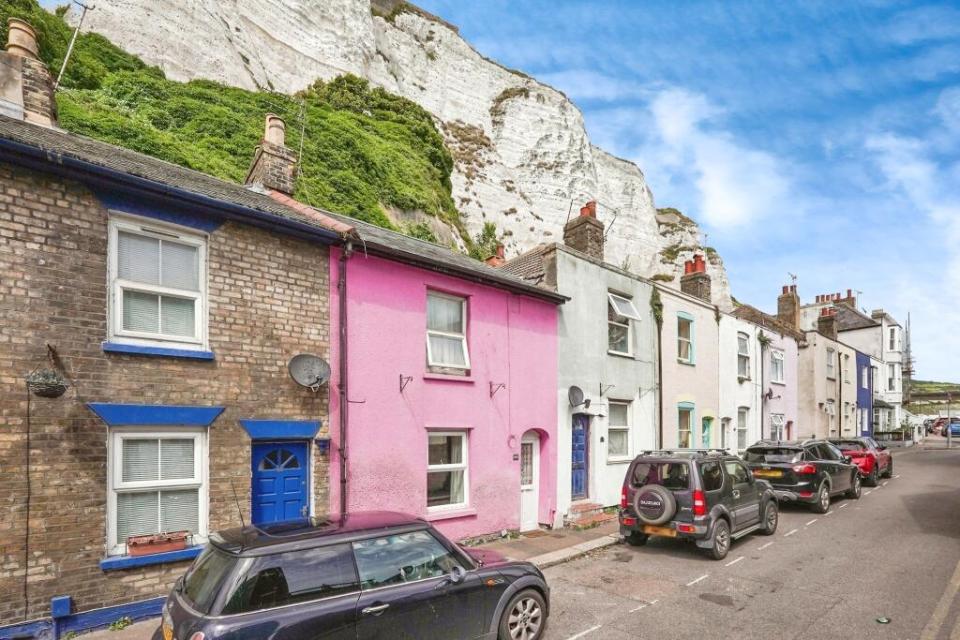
pixel 535 534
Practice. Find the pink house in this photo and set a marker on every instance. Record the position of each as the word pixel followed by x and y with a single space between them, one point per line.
pixel 450 386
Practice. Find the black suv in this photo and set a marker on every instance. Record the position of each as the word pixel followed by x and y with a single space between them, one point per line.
pixel 705 495
pixel 809 471
pixel 371 575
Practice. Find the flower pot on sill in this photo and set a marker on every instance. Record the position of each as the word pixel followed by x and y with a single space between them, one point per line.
pixel 157 543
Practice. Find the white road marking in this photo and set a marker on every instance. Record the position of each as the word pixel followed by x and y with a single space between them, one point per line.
pixel 845 505
pixel 635 609
pixel 654 601
pixel 693 582
pixel 896 476
pixel 932 628
pixel 583 633
pixel 828 513
pixel 868 492
pixel 764 546
pixel 789 533
pixel 735 561
pixel 811 522
pixel 884 484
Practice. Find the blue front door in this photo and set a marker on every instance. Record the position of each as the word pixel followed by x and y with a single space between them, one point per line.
pixel 279 481
pixel 581 427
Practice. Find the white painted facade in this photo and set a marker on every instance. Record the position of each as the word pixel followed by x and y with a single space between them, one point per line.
pixel 741 384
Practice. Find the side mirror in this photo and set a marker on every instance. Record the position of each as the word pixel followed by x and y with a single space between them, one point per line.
pixel 848 459
pixel 457 575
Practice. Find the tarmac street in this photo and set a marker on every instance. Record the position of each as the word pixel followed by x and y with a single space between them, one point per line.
pixel 894 554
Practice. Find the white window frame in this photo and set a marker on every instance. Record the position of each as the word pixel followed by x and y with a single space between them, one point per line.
pixel 846 368
pixel 777 366
pixel 681 339
pixel 865 377
pixel 831 365
pixel 627 405
pixel 461 336
pixel 743 355
pixel 893 339
pixel 743 427
pixel 777 426
pixel 464 466
pixel 624 308
pixel 690 428
pixel 891 377
pixel 115 484
pixel 150 228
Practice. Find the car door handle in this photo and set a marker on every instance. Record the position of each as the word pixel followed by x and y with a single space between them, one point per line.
pixel 736 493
pixel 375 611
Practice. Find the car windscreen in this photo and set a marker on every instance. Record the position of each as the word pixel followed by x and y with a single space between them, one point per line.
pixel 849 445
pixel 206 577
pixel 672 475
pixel 772 454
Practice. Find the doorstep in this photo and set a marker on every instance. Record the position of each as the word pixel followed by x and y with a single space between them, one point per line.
pixel 558 545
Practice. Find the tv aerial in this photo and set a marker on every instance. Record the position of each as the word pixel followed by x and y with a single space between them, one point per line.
pixel 309 370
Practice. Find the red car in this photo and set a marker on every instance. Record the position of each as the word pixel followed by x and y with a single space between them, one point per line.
pixel 873 459
pixel 938 426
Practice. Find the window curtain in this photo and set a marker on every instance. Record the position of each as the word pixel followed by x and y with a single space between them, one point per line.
pixel 446 315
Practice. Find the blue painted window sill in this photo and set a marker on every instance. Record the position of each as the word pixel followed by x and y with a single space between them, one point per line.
pixel 129 562
pixel 165 352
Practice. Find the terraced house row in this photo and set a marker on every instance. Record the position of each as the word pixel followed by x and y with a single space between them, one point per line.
pixel 150 316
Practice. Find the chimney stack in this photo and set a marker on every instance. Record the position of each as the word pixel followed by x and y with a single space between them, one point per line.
pixel 585 233
pixel 695 280
pixel 26 86
pixel 274 165
pixel 788 306
pixel 827 322
pixel 498 258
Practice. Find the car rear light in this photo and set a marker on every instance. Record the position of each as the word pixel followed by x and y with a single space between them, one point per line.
pixel 629 522
pixel 699 503
pixel 686 528
pixel 804 469
pixel 623 497
pixel 806 494
pixel 197 636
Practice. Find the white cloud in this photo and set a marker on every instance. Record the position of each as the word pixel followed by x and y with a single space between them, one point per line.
pixel 582 84
pixel 736 184
pixel 948 108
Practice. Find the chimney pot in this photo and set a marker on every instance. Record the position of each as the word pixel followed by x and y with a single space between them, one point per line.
pixel 695 280
pixel 589 209
pixel 785 288
pixel 585 232
pixel 275 130
pixel 849 293
pixel 22 39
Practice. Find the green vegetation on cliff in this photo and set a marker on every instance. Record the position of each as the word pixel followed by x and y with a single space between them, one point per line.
pixel 363 148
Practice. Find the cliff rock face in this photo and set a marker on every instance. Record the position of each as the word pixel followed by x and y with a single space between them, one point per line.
pixel 523 158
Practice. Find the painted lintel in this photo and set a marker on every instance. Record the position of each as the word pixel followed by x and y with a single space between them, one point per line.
pixel 281 429
pixel 122 415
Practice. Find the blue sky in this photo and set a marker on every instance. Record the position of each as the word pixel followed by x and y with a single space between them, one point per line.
pixel 815 138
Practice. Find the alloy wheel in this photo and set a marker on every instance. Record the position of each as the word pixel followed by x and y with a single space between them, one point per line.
pixel 824 498
pixel 772 515
pixel 722 540
pixel 525 619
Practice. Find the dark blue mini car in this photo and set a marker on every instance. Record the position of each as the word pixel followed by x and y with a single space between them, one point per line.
pixel 371 575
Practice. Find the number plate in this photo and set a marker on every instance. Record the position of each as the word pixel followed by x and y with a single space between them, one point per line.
pixel 660 531
pixel 167 632
pixel 764 473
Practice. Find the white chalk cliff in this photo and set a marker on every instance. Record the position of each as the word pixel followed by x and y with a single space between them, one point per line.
pixel 523 158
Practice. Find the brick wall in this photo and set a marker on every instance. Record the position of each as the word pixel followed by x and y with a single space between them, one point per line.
pixel 268 301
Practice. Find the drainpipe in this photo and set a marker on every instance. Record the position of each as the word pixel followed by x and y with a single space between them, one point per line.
pixel 344 403
pixel 660 384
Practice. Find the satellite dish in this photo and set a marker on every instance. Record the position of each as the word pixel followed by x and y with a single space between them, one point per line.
pixel 309 370
pixel 575 396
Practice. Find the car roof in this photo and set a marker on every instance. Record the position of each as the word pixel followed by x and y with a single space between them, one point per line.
pixel 684 454
pixel 291 535
pixel 784 444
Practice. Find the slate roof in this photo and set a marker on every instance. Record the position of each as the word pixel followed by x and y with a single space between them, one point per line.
pixel 57 146
pixel 529 265
pixel 759 318
pixel 849 318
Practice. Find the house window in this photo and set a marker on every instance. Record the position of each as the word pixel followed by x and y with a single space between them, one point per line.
pixel 777 427
pixel 875 375
pixel 724 428
pixel 447 333
pixel 620 312
pixel 846 368
pixel 776 366
pixel 743 414
pixel 831 365
pixel 743 355
pixel 891 377
pixel 447 470
pixel 618 430
pixel 157 284
pixel 865 377
pixel 156 485
pixel 893 338
pixel 685 339
pixel 831 416
pixel 684 424
pixel 876 420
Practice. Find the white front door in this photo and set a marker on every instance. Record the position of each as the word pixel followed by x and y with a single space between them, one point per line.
pixel 529 481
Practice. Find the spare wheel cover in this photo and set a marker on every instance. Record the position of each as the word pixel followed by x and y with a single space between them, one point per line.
pixel 654 504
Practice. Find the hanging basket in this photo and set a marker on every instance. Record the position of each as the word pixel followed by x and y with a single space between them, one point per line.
pixel 46 383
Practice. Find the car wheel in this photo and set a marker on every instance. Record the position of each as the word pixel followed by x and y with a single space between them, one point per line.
pixel 721 540
pixel 822 504
pixel 771 518
pixel 636 539
pixel 854 491
pixel 889 472
pixel 871 479
pixel 524 617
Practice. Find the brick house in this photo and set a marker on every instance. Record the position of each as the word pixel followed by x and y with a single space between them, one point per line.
pixel 170 303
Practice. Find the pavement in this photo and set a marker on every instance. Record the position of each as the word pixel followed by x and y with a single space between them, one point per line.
pixel 892 554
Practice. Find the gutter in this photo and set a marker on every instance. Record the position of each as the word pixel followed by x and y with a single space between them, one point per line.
pixel 342 390
pixel 66 166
